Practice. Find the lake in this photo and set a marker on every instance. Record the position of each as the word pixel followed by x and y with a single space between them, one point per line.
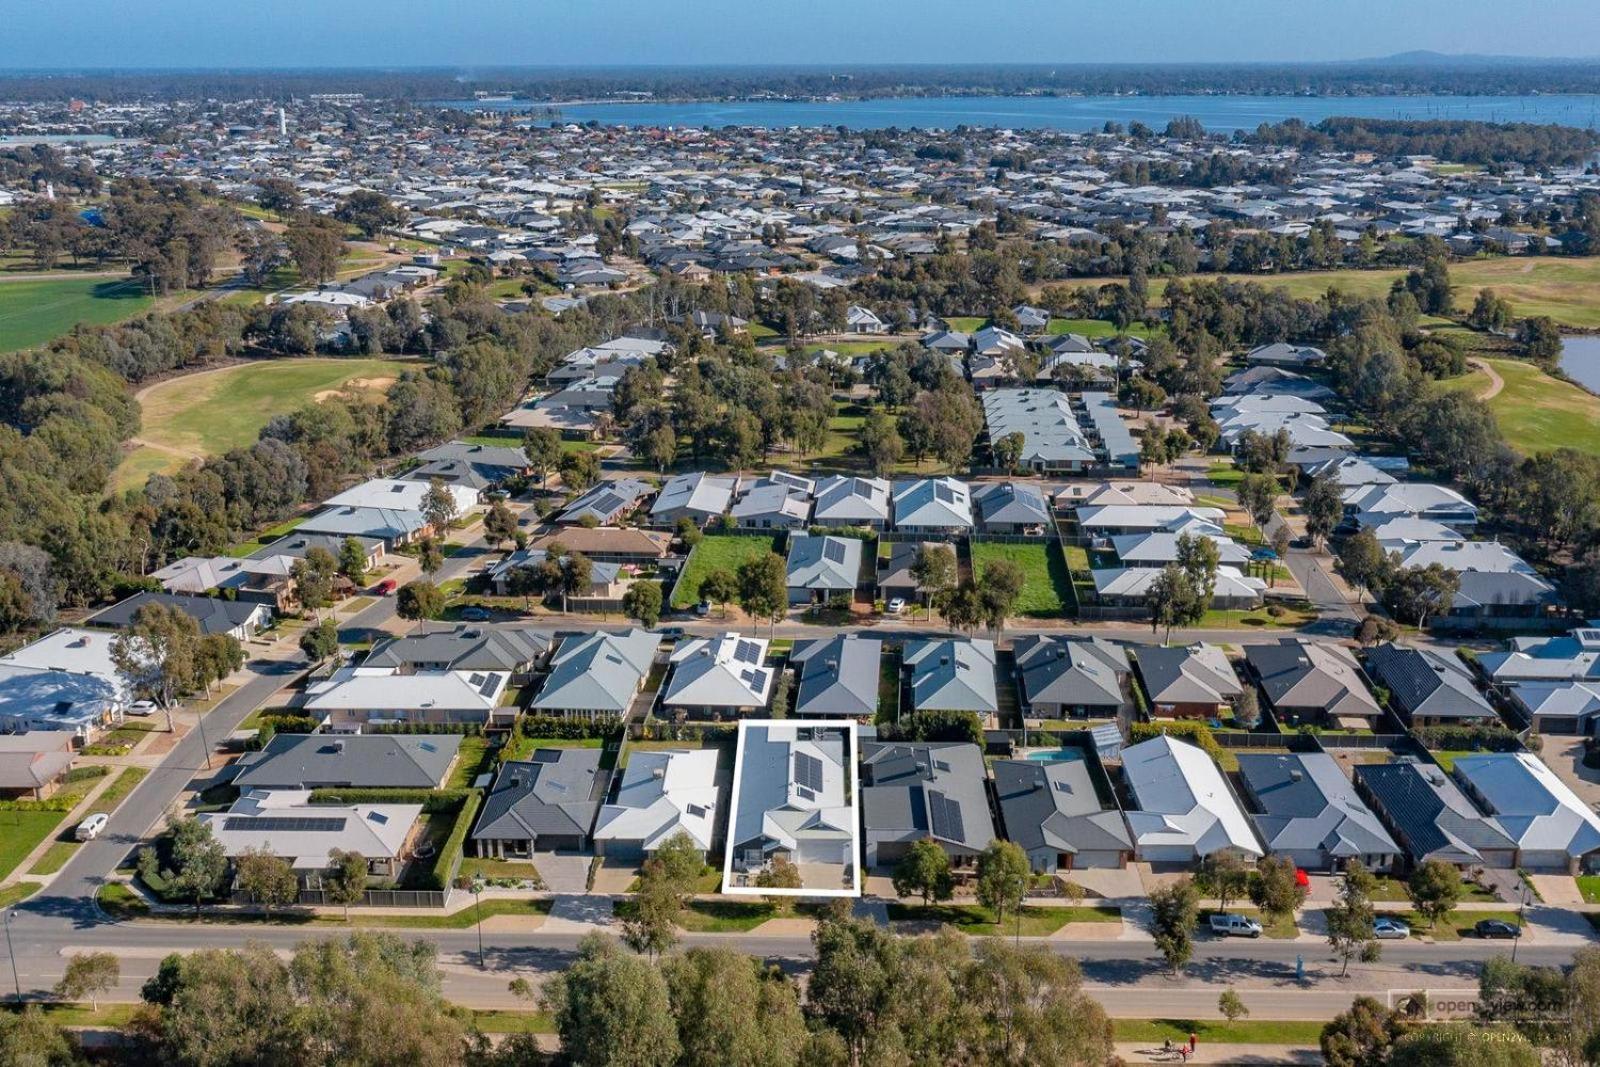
pixel 1074 113
pixel 1580 360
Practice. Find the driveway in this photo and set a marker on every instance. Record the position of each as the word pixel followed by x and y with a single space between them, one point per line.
pixel 563 872
pixel 1564 755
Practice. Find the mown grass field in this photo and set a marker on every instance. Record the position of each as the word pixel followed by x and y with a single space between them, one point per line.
pixel 210 412
pixel 1048 588
pixel 716 552
pixel 1536 412
pixel 34 312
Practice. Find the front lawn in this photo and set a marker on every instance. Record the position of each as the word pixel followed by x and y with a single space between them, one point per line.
pixel 1289 617
pixel 1282 929
pixel 1036 921
pixel 1589 886
pixel 1216 1032
pixel 717 552
pixel 716 916
pixel 21 832
pixel 1048 588
pixel 1452 927
pixel 1394 890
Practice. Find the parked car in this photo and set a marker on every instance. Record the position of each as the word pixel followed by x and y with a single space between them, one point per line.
pixel 895 605
pixel 385 587
pixel 703 608
pixel 1497 929
pixel 142 708
pixel 1387 929
pixel 90 828
pixel 475 614
pixel 1234 926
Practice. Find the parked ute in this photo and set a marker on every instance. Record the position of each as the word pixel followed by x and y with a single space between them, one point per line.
pixel 1234 926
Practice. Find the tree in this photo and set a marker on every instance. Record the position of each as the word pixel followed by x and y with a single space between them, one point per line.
pixel 1350 921
pixel 1231 1005
pixel 651 925
pixel 313 579
pixel 419 599
pixel 88 974
pixel 934 569
pixel 1275 889
pixel 353 561
pixel 1416 594
pixel 611 1008
pixel 199 867
pixel 500 523
pixel 731 1008
pixel 1199 557
pixel 642 601
pixel 1247 708
pixel 157 651
pixel 542 444
pixel 1175 910
pixel 999 586
pixel 345 880
pixel 579 470
pixel 1173 600
pixel 1375 630
pixel 316 245
pixel 430 556
pixel 1223 875
pixel 29 1039
pixel 229 1007
pixel 1361 1036
pixel 1540 339
pixel 1362 562
pixel 781 873
pixel 719 587
pixel 1445 1045
pixel 764 587
pixel 961 605
pixel 439 507
pixel 1008 451
pixel 269 879
pixel 1490 312
pixel 924 871
pixel 1323 505
pixel 1435 889
pixel 370 212
pixel 320 642
pixel 880 443
pixel 1003 877
pixel 1258 494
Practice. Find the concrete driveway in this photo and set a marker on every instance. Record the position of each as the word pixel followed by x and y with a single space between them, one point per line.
pixel 563 872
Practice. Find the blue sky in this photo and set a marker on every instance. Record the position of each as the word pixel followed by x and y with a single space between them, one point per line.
pixel 217 33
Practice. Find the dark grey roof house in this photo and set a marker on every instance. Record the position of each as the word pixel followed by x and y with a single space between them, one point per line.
pixel 1065 677
pixel 1054 811
pixel 837 676
pixel 1011 507
pixel 1432 818
pixel 238 618
pixel 1427 687
pixel 546 802
pixel 912 791
pixel 1305 808
pixel 1311 682
pixel 518 650
pixel 356 761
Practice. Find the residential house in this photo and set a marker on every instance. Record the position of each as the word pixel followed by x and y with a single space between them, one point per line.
pixel 286 823
pixel 520 651
pixel 932 507
pixel 257 581
pixel 606 503
pixel 1012 508
pixel 863 320
pixel 662 794
pixel 793 798
pixel 1573 656
pixel 1130 587
pixel 478 466
pixel 65 680
pixel 1305 808
pixel 1312 683
pixel 895 577
pixel 1183 809
pixel 1431 818
pixel 850 501
pixel 1428 688
pixel 1070 677
pixel 361 761
pixel 1373 505
pixel 1559 708
pixel 597 673
pixel 546 803
pixel 1052 439
pixel 723 675
pixel 607 581
pixel 837 676
pixel 913 792
pixel 238 619
pixel 697 496
pixel 952 674
pixel 1061 814
pixel 820 567
pixel 32 764
pixel 1193 682
pixel 355 697
pixel 777 501
pixel 392 494
pixel 390 527
pixel 1280 354
pixel 1553 829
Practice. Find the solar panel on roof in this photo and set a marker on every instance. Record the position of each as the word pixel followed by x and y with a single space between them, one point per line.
pixel 833 551
pixel 807 771
pixel 747 652
pixel 697 811
pixel 281 824
pixel 945 818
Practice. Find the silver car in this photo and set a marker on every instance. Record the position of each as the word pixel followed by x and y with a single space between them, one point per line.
pixel 1390 929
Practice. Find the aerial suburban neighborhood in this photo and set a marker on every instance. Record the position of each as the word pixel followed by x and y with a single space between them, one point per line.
pixel 621 562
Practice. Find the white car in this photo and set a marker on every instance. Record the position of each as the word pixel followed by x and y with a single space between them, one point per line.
pixel 1390 929
pixel 142 708
pixel 895 606
pixel 90 828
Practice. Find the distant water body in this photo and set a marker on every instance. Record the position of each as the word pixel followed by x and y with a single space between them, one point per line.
pixel 1580 359
pixel 1073 113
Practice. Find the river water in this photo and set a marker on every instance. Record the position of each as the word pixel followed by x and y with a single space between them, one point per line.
pixel 1075 113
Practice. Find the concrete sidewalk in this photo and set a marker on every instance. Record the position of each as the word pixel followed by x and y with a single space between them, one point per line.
pixel 1146 1052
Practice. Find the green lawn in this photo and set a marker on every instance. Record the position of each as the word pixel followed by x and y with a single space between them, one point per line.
pixel 1280 929
pixel 34 312
pixel 717 916
pixel 263 538
pixel 109 1015
pixel 1098 328
pixel 473 760
pixel 1215 1032
pixel 1589 886
pixel 1535 411
pixel 1393 890
pixel 16 894
pixel 513 1022
pixel 21 832
pixel 56 856
pixel 1049 585
pixel 120 902
pixel 474 867
pixel 979 921
pixel 1291 618
pixel 208 413
pixel 717 552
pixel 1452 927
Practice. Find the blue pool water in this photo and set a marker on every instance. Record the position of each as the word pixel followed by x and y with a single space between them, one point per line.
pixel 1056 755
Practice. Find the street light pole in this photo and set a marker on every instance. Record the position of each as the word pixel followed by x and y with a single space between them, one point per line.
pixel 16 980
pixel 205 747
pixel 1522 911
pixel 477 907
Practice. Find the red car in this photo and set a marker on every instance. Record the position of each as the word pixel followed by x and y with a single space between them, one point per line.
pixel 385 587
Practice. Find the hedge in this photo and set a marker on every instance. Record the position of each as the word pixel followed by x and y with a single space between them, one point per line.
pixel 433 801
pixel 1467 738
pixel 467 729
pixel 1196 732
pixel 448 860
pixel 288 723
pixel 559 728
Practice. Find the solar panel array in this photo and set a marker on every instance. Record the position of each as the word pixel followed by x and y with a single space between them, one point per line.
pixel 944 493
pixel 747 652
pixel 945 816
pixel 807 771
pixel 805 794
pixel 833 551
pixel 286 824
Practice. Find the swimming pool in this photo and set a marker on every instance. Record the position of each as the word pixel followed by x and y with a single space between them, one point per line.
pixel 1055 755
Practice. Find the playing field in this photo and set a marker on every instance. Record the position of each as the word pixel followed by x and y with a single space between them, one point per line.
pixel 33 312
pixel 1536 413
pixel 1049 585
pixel 210 412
